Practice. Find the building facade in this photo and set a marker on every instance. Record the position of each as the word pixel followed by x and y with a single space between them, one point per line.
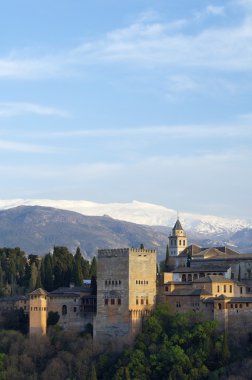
pixel 126 293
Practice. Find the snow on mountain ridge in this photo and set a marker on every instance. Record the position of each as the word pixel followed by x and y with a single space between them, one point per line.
pixel 141 213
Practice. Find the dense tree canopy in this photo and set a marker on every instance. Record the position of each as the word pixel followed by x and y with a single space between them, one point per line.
pixel 20 274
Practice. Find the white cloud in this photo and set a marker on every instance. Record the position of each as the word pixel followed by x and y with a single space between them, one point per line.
pixel 16 66
pixel 147 42
pixel 80 172
pixel 215 10
pixel 10 109
pixel 21 147
pixel 154 44
pixel 172 131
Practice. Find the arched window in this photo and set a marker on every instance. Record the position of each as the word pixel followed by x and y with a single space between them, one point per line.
pixel 189 277
pixel 219 306
pixel 183 277
pixel 64 310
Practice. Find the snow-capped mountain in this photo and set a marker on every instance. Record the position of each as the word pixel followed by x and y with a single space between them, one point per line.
pixel 141 213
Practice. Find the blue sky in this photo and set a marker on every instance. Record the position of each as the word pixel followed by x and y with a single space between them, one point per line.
pixel 114 101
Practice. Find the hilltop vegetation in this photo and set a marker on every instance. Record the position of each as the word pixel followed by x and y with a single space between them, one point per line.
pixel 20 274
pixel 170 347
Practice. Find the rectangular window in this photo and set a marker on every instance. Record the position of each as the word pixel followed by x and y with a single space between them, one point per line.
pixel 241 290
pixel 166 288
pixel 106 301
pixel 147 301
pixel 218 289
pixel 137 301
pixel 225 288
pixel 119 301
pixel 142 301
pixel 112 301
pixel 231 288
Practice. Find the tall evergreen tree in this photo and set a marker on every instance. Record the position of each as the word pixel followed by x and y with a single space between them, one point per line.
pixel 93 267
pixel 77 269
pixel 34 277
pixel 48 273
pixel 167 255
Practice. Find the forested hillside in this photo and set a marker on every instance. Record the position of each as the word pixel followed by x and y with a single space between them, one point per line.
pixel 179 347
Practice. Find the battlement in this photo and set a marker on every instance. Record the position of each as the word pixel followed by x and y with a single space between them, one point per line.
pixel 122 252
pixel 139 250
pixel 113 252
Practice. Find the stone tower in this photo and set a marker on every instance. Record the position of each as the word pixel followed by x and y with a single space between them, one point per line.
pixel 38 312
pixel 177 239
pixel 126 293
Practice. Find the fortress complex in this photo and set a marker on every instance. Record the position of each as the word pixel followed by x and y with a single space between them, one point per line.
pixel 216 282
pixel 126 293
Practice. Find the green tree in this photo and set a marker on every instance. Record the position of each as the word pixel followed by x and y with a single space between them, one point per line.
pixel 167 256
pixel 47 273
pixel 77 269
pixel 53 318
pixel 93 267
pixel 62 267
pixel 34 277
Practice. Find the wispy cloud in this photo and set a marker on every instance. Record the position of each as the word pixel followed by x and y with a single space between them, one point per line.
pixel 79 172
pixel 210 10
pixel 20 147
pixel 157 44
pixel 215 10
pixel 10 109
pixel 148 42
pixel 171 131
pixel 30 67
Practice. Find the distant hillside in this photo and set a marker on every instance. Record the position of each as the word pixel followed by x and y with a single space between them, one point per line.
pixel 37 229
pixel 197 225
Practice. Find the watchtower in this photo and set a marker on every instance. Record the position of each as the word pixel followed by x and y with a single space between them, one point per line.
pixel 38 312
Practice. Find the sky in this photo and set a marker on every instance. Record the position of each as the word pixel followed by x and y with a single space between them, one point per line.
pixel 114 101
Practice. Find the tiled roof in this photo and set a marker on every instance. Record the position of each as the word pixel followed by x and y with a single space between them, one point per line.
pixel 39 291
pixel 240 299
pixel 205 267
pixel 213 278
pixel 71 291
pixel 177 226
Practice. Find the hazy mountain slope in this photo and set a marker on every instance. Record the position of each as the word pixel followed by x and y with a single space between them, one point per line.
pixel 37 229
pixel 202 226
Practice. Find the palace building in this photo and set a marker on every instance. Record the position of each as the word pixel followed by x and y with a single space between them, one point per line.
pixel 215 281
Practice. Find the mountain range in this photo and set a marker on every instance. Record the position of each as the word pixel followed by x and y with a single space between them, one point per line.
pixel 37 225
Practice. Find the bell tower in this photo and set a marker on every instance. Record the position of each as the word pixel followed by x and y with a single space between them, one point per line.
pixel 177 239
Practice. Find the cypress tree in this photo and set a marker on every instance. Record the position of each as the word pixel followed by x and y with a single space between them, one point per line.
pixel 167 255
pixel 34 276
pixel 38 282
pixel 77 269
pixel 93 267
pixel 48 275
